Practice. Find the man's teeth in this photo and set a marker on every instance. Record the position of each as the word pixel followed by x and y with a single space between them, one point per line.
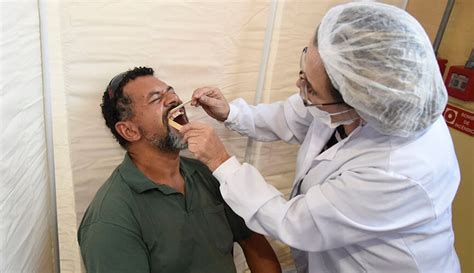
pixel 175 114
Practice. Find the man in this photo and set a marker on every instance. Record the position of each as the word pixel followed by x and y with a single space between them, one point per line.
pixel 159 212
pixel 376 172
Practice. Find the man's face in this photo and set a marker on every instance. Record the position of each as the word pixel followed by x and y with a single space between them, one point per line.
pixel 152 100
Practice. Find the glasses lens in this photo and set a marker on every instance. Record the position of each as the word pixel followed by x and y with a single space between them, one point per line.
pixel 304 91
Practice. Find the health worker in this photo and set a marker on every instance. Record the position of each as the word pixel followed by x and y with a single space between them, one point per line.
pixel 376 171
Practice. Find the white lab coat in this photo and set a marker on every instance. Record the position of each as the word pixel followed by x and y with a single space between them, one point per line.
pixel 371 203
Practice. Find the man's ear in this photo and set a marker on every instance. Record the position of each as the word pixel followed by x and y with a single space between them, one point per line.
pixel 128 130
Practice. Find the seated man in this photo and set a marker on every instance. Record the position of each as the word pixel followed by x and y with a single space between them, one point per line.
pixel 159 212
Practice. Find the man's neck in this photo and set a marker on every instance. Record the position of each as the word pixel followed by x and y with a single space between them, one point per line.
pixel 159 166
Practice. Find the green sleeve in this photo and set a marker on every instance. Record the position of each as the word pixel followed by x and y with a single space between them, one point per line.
pixel 111 248
pixel 237 225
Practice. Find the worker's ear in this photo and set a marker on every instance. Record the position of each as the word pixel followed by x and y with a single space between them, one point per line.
pixel 128 130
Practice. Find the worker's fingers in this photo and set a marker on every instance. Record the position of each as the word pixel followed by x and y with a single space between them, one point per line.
pixel 194 136
pixel 197 130
pixel 209 101
pixel 204 144
pixel 192 125
pixel 202 91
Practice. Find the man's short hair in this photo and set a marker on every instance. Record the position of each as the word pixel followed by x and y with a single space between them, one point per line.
pixel 116 106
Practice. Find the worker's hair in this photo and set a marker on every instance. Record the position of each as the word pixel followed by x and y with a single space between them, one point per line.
pixel 116 106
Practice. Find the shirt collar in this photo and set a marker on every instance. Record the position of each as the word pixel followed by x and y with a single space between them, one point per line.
pixel 140 183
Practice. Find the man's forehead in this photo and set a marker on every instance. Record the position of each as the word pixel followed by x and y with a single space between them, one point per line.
pixel 144 85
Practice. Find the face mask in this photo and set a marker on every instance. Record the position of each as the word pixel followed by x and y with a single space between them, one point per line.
pixel 325 117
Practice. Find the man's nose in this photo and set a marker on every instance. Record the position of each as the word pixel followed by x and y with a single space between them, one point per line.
pixel 171 98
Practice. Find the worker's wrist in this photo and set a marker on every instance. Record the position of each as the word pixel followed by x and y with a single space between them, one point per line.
pixel 231 115
pixel 216 162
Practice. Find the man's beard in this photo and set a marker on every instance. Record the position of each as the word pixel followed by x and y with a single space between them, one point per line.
pixel 171 143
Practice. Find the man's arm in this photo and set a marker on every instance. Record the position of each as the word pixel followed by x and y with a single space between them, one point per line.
pixel 110 248
pixel 259 254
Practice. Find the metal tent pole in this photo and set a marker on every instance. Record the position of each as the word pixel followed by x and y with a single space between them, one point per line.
pixel 263 69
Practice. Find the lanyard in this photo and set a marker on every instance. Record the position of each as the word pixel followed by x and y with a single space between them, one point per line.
pixel 338 135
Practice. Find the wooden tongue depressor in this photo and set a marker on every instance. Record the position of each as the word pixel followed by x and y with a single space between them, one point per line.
pixel 174 124
pixel 186 102
pixel 179 106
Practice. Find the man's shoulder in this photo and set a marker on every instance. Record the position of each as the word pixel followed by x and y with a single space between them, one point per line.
pixel 110 228
pixel 112 203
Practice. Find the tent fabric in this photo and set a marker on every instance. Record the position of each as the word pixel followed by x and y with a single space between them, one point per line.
pixel 26 241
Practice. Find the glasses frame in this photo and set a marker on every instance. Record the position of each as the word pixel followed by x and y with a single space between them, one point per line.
pixel 305 86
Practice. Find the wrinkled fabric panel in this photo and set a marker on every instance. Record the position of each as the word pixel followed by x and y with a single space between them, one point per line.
pixel 25 207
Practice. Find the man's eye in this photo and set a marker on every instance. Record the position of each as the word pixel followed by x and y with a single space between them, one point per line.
pixel 157 99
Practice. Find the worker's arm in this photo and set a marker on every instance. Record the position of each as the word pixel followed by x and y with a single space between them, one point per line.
pixel 326 216
pixel 285 120
pixel 259 254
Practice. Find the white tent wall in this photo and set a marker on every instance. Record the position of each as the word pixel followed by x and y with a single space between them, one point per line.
pixel 27 228
pixel 189 44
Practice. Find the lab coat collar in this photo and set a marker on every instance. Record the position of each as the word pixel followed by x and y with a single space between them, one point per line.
pixel 331 152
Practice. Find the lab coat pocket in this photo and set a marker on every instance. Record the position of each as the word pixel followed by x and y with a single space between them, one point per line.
pixel 218 228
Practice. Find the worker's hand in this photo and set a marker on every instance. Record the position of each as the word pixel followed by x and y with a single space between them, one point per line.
pixel 204 144
pixel 212 101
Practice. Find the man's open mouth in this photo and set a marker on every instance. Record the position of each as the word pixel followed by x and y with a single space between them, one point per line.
pixel 178 116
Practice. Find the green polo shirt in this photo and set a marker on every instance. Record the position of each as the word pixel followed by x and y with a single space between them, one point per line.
pixel 134 225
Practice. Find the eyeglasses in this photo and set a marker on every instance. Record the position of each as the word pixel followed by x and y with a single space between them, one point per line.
pixel 114 84
pixel 305 86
